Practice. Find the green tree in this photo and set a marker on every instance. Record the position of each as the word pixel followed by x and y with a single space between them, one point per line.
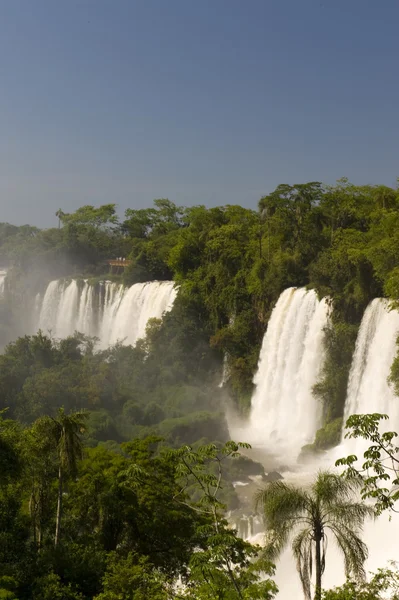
pixel 8 587
pixel 40 470
pixel 224 566
pixel 66 432
pixel 91 216
pixel 329 505
pixel 10 461
pixel 50 587
pixel 133 578
pixel 124 501
pixel 378 471
pixel 384 585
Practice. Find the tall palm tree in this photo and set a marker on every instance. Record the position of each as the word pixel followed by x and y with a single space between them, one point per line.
pixel 67 433
pixel 331 504
pixel 39 461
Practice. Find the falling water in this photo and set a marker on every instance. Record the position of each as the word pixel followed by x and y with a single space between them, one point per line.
pixel 368 387
pixel 110 311
pixel 127 312
pixel 368 392
pixel 285 414
pixel 226 372
pixel 284 408
pixel 2 281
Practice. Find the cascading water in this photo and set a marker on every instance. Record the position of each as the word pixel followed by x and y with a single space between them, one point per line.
pixel 285 414
pixel 225 371
pixel 3 275
pixel 127 312
pixel 226 367
pixel 368 388
pixel 111 312
pixel 368 392
pixel 283 408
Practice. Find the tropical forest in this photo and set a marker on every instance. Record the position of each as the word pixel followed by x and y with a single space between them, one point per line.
pixel 202 403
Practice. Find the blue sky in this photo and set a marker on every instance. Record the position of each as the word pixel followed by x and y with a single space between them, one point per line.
pixel 201 101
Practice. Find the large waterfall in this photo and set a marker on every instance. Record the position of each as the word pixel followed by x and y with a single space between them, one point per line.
pixel 368 388
pixel 285 414
pixel 109 311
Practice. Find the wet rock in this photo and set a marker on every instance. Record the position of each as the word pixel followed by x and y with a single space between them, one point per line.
pixel 273 476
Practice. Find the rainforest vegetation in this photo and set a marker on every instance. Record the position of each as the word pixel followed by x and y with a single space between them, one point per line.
pixel 231 264
pixel 80 523
pixel 115 465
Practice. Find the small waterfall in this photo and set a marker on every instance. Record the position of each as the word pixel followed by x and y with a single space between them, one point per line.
pixel 285 414
pixel 226 367
pixel 3 275
pixel 109 311
pixel 368 388
pixel 249 526
pixel 225 371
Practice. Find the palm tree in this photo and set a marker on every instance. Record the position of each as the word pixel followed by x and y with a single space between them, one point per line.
pixel 330 504
pixel 39 463
pixel 67 433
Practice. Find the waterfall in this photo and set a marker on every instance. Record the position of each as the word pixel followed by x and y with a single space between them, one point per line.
pixel 368 388
pixel 225 371
pixel 109 311
pixel 226 367
pixel 127 312
pixel 285 415
pixel 3 275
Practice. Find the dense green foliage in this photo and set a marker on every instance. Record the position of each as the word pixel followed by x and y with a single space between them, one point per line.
pixel 123 521
pixel 131 524
pixel 231 264
pixel 128 392
pixel 378 468
pixel 384 585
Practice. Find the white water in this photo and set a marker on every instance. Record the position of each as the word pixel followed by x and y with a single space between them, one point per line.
pixel 3 275
pixel 368 391
pixel 368 388
pixel 226 367
pixel 285 414
pixel 225 371
pixel 110 312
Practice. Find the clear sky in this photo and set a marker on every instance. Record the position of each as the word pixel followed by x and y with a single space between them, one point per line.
pixel 201 101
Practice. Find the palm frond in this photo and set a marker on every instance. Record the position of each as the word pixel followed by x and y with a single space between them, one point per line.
pixel 275 542
pixel 324 553
pixel 352 514
pixel 354 551
pixel 302 550
pixel 330 488
pixel 281 503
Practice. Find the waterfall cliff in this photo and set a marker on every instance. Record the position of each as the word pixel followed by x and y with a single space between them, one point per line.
pixel 285 414
pixel 368 387
pixel 109 311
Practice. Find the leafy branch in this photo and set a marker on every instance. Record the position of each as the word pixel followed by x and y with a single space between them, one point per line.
pixel 380 470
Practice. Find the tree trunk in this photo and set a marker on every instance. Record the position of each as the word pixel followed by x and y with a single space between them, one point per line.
pixel 59 509
pixel 33 515
pixel 40 518
pixel 317 593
